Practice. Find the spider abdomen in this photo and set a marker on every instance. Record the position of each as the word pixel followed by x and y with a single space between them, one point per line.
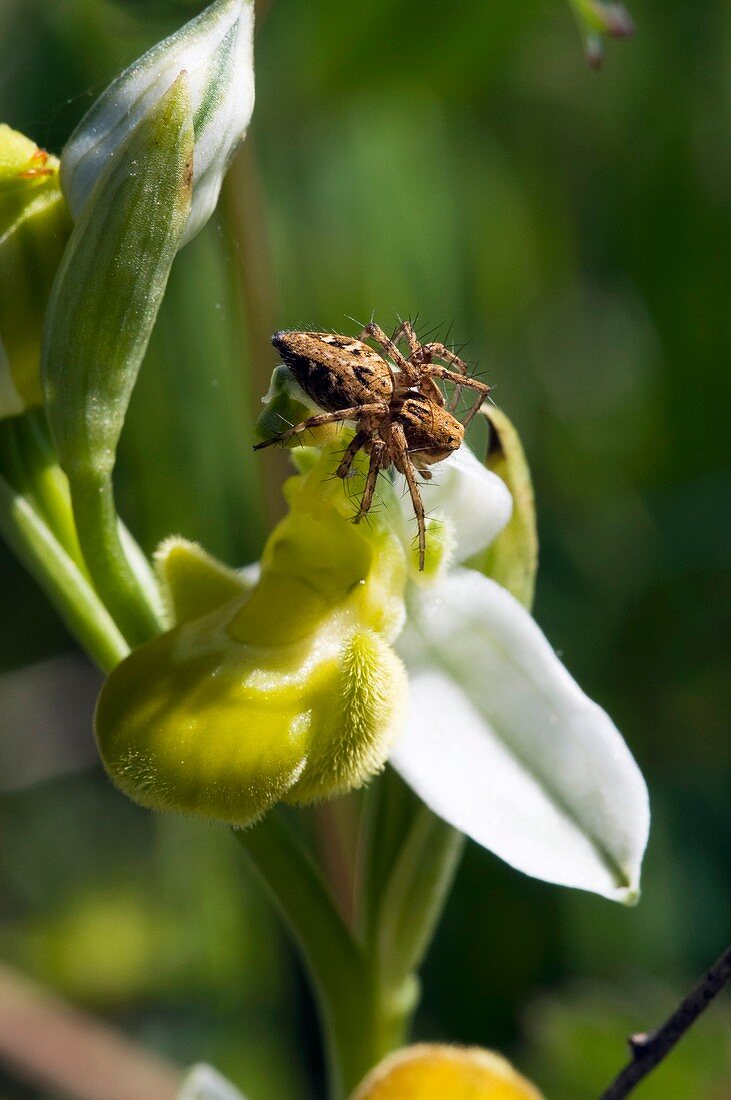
pixel 336 372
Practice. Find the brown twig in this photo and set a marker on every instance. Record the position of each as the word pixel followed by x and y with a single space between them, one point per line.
pixel 54 1046
pixel 649 1049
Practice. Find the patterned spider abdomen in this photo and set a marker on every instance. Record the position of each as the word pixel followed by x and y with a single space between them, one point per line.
pixel 336 372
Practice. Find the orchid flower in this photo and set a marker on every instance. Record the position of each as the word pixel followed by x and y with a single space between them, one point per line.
pixel 297 680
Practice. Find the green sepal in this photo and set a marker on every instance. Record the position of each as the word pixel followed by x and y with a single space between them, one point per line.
pixel 285 405
pixel 34 227
pixel 111 282
pixel 288 691
pixel 512 558
pixel 193 582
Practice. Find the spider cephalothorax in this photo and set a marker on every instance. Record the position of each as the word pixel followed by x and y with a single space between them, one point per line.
pixel 396 404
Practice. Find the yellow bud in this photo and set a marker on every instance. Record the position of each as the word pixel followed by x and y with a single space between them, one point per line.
pixel 433 1072
pixel 34 228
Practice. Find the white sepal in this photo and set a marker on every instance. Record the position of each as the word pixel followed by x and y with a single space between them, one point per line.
pixel 503 744
pixel 216 51
pixel 472 499
pixel 205 1083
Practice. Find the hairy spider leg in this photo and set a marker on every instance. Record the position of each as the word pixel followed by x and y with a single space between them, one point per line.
pixel 376 464
pixel 483 390
pixel 427 386
pixel 358 441
pixel 437 350
pixel 404 464
pixel 354 413
pixel 373 331
pixel 405 330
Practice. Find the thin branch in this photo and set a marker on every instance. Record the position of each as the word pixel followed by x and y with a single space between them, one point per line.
pixel 649 1049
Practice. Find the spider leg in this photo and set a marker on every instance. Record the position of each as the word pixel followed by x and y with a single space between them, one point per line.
pixel 404 464
pixel 430 389
pixel 406 331
pixel 482 388
pixel 436 350
pixel 377 456
pixel 354 413
pixel 427 386
pixel 373 331
pixel 440 351
pixel 357 442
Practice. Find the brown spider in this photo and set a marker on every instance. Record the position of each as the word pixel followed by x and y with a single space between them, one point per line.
pixel 400 413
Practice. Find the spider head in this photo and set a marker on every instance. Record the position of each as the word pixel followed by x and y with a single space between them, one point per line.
pixel 432 433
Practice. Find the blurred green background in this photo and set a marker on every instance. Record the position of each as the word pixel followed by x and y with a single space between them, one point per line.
pixel 458 161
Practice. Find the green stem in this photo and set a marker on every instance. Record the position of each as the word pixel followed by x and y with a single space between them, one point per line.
pixel 363 1019
pixel 124 580
pixel 415 895
pixel 388 813
pixel 46 481
pixel 61 579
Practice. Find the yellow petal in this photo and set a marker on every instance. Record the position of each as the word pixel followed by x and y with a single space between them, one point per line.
pixel 434 1072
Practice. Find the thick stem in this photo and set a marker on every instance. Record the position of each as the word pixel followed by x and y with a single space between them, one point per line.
pixel 363 1019
pixel 125 583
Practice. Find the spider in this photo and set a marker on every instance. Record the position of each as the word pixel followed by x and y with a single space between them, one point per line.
pixel 398 407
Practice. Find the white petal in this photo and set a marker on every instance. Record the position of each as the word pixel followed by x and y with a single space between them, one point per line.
pixel 502 743
pixel 474 500
pixel 216 51
pixel 205 1083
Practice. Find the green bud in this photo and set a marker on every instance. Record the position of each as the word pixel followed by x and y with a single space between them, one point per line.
pixel 34 228
pixel 289 690
pixel 512 558
pixel 600 19
pixel 111 283
pixel 215 49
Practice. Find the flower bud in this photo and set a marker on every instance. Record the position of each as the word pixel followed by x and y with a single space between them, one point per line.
pixel 431 1071
pixel 216 51
pixel 111 283
pixel 34 228
pixel 600 19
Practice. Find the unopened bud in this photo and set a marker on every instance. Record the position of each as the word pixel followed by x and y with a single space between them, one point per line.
pixel 216 51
